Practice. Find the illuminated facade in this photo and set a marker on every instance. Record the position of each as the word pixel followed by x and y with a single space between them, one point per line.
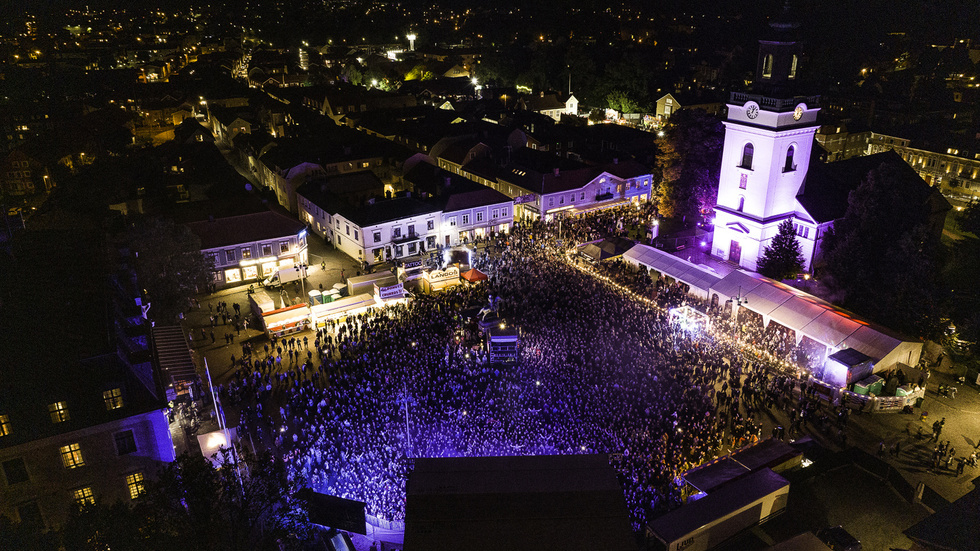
pixel 248 248
pixel 769 136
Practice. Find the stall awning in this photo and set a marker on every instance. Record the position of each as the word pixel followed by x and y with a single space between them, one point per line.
pixel 286 316
pixel 346 304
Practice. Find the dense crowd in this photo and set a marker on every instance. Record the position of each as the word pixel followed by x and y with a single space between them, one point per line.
pixel 599 372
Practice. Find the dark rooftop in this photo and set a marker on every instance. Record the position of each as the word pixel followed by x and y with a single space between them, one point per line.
pixel 245 228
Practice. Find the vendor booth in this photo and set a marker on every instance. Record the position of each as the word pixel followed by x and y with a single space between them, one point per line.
pixel 473 275
pixel 340 309
pixel 285 321
pixel 437 280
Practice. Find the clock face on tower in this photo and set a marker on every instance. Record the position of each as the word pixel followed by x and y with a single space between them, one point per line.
pixel 751 110
pixel 798 113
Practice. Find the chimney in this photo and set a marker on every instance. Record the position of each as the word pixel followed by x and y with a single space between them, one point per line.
pixel 557 172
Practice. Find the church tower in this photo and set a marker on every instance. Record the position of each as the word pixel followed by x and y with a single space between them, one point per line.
pixel 768 140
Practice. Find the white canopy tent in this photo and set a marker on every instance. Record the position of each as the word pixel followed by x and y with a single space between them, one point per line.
pixel 805 314
pixel 696 277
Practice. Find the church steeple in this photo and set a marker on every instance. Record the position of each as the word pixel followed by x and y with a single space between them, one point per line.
pixel 780 51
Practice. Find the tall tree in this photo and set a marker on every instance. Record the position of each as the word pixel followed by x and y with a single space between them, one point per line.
pixel 169 265
pixel 690 161
pixel 881 259
pixel 969 219
pixel 783 258
pixel 193 505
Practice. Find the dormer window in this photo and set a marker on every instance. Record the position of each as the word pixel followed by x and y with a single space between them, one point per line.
pixel 792 67
pixel 767 66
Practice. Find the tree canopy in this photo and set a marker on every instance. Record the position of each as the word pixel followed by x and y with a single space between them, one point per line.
pixel 690 162
pixel 169 265
pixel 881 259
pixel 194 505
pixel 783 258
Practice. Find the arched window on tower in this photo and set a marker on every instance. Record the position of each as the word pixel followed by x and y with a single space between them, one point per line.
pixel 789 166
pixel 741 203
pixel 767 66
pixel 792 67
pixel 747 152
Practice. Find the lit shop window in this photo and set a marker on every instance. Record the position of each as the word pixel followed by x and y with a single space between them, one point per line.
pixel 4 425
pixel 232 276
pixel 268 269
pixel 251 272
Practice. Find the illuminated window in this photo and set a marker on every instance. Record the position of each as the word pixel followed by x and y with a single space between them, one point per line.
pixel 246 253
pixel 135 484
pixel 71 456
pixel 233 276
pixel 83 496
pixel 58 411
pixel 113 399
pixel 792 67
pixel 747 152
pixel 4 425
pixel 767 66
pixel 250 272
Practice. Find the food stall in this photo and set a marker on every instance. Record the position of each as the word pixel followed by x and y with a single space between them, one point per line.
pixel 437 280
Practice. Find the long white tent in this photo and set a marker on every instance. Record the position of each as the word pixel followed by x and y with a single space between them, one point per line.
pixel 805 314
pixel 697 278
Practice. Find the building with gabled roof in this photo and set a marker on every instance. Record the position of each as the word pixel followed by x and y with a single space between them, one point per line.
pixel 247 248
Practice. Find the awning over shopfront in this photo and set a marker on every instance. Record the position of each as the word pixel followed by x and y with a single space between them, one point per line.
pixel 603 205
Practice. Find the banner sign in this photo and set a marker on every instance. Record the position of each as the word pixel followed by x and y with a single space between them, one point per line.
pixel 442 275
pixel 391 291
pixel 521 199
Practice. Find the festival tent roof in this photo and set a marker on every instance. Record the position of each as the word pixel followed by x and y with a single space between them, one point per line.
pixel 473 275
pixel 672 266
pixel 809 315
pixel 790 307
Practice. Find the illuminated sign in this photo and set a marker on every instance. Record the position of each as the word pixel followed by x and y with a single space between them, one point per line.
pixel 521 199
pixel 262 260
pixel 442 275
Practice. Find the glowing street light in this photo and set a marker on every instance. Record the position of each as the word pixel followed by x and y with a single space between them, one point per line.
pixel 411 41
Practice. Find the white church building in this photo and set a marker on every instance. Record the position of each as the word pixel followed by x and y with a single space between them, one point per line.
pixel 769 137
pixel 769 173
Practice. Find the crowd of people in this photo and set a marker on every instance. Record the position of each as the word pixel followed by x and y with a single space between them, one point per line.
pixel 599 372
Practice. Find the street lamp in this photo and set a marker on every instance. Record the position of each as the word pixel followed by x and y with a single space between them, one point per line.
pixel 737 301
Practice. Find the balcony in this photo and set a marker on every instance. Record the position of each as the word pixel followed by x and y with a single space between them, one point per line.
pixel 779 105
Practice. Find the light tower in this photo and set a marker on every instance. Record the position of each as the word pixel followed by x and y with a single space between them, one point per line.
pixel 411 41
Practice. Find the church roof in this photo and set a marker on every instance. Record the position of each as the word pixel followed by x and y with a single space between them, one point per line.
pixel 825 191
